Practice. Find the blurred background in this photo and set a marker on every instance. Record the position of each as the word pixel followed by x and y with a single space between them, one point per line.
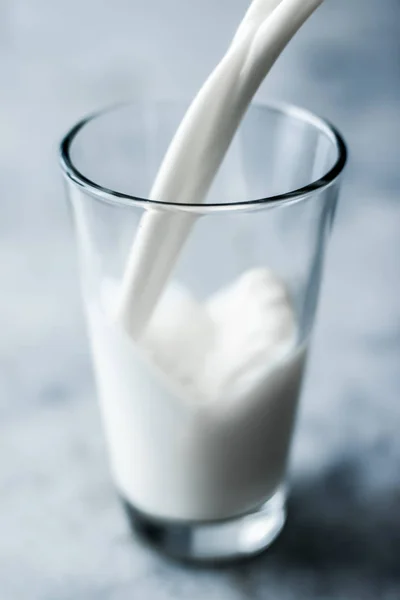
pixel 62 533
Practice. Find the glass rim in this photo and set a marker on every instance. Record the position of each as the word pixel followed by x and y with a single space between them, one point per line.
pixel 72 173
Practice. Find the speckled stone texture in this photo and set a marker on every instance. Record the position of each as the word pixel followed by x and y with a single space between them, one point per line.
pixel 62 533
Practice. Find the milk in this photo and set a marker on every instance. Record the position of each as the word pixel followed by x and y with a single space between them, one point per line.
pixel 199 399
pixel 199 412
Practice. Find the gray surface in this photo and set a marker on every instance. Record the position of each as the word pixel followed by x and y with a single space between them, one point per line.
pixel 62 532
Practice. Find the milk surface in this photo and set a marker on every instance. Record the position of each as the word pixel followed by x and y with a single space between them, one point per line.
pixel 199 411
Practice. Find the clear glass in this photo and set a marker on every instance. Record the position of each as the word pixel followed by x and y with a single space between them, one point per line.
pixel 203 478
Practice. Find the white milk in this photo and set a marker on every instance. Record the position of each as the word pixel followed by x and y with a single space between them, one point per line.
pixel 199 414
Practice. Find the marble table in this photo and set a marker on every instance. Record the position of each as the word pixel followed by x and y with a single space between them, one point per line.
pixel 62 533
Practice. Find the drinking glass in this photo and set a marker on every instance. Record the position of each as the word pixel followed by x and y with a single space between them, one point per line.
pixel 201 478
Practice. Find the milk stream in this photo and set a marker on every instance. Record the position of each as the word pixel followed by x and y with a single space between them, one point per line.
pixel 198 148
pixel 199 415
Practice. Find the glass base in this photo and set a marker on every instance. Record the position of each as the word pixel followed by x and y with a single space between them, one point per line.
pixel 215 541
